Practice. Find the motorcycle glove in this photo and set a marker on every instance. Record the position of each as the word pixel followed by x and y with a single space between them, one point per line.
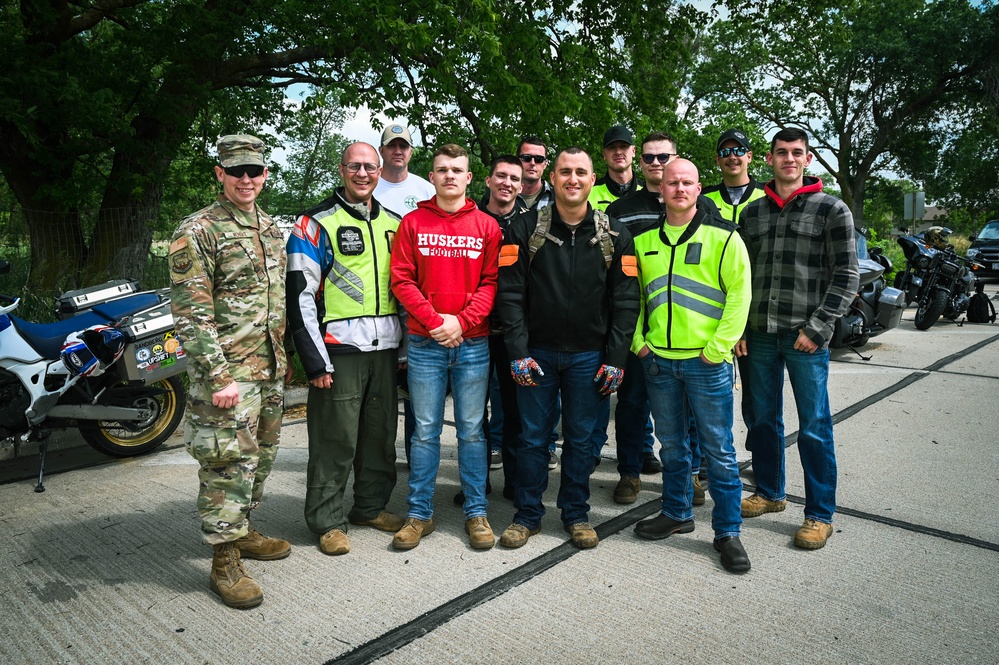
pixel 612 378
pixel 522 371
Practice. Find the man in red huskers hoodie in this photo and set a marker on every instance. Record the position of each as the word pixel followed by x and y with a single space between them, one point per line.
pixel 444 266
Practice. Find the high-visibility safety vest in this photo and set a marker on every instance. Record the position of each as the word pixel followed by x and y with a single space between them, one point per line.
pixel 730 211
pixel 603 192
pixel 359 283
pixel 683 292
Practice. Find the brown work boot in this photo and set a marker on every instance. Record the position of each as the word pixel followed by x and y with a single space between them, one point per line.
pixel 516 535
pixel 698 491
pixel 411 532
pixel 627 490
pixel 334 542
pixel 230 581
pixel 583 535
pixel 385 521
pixel 756 505
pixel 812 535
pixel 255 545
pixel 480 534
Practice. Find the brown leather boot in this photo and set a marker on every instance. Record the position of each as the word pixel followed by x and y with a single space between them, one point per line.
pixel 230 581
pixel 255 545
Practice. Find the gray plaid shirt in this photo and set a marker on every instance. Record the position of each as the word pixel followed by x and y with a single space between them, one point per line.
pixel 803 255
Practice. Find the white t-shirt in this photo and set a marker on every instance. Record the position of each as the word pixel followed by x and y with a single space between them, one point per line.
pixel 402 197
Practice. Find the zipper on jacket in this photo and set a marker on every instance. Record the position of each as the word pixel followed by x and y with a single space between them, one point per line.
pixel 669 300
pixel 374 257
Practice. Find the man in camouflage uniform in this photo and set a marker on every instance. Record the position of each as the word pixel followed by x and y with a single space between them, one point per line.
pixel 227 273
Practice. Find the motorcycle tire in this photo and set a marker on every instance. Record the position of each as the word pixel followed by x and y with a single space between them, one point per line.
pixel 127 439
pixel 930 309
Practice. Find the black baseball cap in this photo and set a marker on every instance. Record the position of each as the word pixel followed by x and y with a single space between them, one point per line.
pixel 618 133
pixel 734 135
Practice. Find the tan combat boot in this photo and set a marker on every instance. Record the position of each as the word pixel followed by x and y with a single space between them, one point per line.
pixel 255 545
pixel 230 581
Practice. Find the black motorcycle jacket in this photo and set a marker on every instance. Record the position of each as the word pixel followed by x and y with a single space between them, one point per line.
pixel 567 298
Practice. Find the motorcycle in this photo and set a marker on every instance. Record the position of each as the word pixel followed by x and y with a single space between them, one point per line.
pixel 877 308
pixel 111 368
pixel 935 277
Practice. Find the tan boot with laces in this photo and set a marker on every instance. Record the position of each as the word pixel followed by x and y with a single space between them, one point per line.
pixel 230 580
pixel 255 545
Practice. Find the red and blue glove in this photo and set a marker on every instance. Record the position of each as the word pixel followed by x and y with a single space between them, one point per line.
pixel 521 370
pixel 612 378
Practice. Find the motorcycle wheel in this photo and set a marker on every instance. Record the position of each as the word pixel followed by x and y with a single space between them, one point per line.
pixel 930 309
pixel 126 439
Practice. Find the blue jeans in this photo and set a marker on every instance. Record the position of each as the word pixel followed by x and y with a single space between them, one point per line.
pixel 632 420
pixel 493 427
pixel 430 367
pixel 768 355
pixel 571 376
pixel 679 390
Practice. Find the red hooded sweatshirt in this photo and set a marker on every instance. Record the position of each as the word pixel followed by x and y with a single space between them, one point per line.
pixel 446 263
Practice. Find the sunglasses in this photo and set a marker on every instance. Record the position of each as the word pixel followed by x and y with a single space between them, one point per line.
pixel 252 170
pixel 738 152
pixel 537 159
pixel 662 157
pixel 354 167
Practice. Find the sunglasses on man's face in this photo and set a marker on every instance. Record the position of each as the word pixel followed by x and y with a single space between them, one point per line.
pixel 662 157
pixel 538 159
pixel 738 152
pixel 252 170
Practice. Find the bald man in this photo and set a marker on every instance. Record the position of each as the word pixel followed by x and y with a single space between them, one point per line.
pixel 694 274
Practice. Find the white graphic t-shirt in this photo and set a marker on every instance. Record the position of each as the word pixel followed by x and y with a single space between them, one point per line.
pixel 402 197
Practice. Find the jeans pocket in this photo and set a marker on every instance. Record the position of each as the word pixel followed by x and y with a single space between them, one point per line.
pixel 419 341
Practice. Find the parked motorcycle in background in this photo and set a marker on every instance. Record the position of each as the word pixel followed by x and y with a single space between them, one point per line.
pixel 877 307
pixel 111 368
pixel 938 280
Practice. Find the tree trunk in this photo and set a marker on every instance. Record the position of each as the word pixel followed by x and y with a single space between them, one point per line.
pixel 57 250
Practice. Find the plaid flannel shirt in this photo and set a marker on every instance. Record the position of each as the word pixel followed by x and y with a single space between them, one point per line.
pixel 803 255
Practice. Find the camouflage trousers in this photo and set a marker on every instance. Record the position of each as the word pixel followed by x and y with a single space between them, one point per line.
pixel 236 449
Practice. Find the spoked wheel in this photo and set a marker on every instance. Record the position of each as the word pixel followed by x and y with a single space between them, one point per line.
pixel 128 438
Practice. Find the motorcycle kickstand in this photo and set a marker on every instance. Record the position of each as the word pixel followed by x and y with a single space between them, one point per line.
pixel 42 437
pixel 854 349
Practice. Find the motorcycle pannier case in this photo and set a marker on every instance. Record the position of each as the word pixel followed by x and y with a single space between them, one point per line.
pixel 153 351
pixel 892 303
pixel 72 303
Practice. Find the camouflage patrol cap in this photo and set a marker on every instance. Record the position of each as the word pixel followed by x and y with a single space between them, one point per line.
pixel 240 149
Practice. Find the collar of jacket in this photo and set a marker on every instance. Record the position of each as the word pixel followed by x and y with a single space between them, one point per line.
pixel 691 229
pixel 358 210
pixel 619 190
pixel 518 207
pixel 722 189
pixel 810 185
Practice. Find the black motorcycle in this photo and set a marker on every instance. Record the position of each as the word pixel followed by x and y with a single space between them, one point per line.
pixel 938 280
pixel 877 307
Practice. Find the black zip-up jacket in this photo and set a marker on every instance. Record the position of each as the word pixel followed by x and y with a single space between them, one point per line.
pixel 642 210
pixel 567 299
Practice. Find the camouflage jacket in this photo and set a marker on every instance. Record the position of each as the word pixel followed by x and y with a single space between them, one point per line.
pixel 227 275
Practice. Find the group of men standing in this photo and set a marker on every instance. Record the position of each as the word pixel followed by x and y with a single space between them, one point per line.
pixel 571 289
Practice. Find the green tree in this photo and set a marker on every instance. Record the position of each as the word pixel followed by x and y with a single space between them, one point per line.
pixel 98 100
pixel 858 75
pixel 313 147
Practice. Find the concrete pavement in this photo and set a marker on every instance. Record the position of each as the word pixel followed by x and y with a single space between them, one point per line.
pixel 107 567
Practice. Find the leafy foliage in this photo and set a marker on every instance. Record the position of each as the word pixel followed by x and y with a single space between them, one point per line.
pixel 859 75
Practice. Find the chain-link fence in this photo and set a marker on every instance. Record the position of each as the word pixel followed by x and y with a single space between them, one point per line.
pixel 76 250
